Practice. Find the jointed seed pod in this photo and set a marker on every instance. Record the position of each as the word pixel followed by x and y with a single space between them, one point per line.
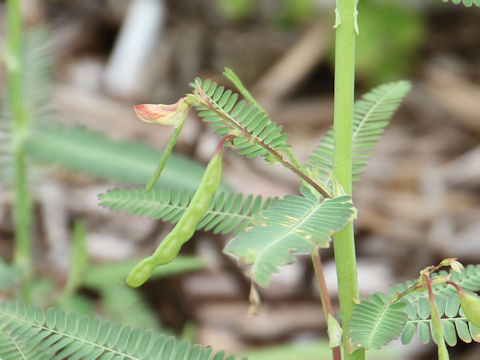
pixel 185 227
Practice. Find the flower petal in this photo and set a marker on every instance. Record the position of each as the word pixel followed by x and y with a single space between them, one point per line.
pixel 155 113
pixel 163 114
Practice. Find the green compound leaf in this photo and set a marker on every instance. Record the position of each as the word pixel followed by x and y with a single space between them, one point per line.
pixel 228 212
pixel 371 116
pixel 468 279
pixel 454 327
pixel 235 80
pixel 376 322
pixel 37 75
pixel 36 80
pixel 30 333
pixel 370 315
pixel 255 132
pixel 91 152
pixel 455 323
pixel 467 3
pixel 292 225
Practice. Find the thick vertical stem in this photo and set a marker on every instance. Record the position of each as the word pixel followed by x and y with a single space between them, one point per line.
pixel 344 244
pixel 19 123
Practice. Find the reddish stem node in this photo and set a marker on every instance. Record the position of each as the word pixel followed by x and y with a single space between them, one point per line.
pixel 223 141
pixel 459 289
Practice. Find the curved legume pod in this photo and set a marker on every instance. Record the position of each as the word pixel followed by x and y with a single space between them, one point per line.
pixel 186 225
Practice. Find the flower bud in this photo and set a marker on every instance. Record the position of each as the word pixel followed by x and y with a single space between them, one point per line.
pixel 454 264
pixel 172 114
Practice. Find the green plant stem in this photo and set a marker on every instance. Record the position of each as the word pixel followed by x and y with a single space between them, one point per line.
pixel 22 201
pixel 166 153
pixel 344 243
pixel 324 297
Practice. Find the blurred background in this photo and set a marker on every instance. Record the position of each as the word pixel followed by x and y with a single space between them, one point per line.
pixel 88 61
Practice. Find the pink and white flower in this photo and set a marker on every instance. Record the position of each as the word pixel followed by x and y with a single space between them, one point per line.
pixel 172 114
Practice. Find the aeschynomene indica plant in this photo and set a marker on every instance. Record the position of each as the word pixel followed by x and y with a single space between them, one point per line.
pixel 303 224
pixel 268 233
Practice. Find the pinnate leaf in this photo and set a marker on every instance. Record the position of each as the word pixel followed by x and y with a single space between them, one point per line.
pixel 372 114
pixel 292 225
pixel 30 333
pixel 227 213
pixel 376 322
pixel 373 313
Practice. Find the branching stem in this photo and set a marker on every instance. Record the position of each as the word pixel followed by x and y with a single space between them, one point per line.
pixel 278 155
pixel 224 140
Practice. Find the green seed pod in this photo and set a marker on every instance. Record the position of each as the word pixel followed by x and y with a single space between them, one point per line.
pixel 471 306
pixel 186 232
pixel 141 272
pixel 185 227
pixel 189 221
pixel 212 177
pixel 166 251
pixel 201 206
